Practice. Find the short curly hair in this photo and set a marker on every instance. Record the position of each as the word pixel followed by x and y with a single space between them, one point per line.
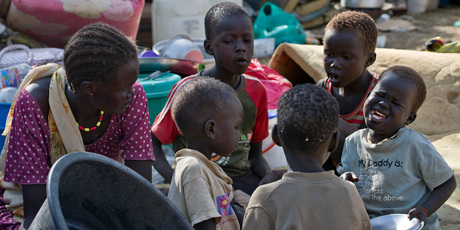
pixel 219 13
pixel 95 53
pixel 359 23
pixel 405 72
pixel 197 97
pixel 307 116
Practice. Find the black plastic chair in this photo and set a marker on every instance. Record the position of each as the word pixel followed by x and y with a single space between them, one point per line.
pixel 91 191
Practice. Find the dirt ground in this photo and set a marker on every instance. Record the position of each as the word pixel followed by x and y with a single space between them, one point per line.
pixel 428 25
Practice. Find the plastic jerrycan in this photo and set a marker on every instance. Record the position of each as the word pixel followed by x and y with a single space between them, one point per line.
pixel 174 17
pixel 274 22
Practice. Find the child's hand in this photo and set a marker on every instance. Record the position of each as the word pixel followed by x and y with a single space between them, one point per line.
pixel 241 198
pixel 418 213
pixel 268 178
pixel 350 176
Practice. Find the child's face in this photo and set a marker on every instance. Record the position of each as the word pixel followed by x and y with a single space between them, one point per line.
pixel 344 58
pixel 389 107
pixel 232 44
pixel 226 128
pixel 114 95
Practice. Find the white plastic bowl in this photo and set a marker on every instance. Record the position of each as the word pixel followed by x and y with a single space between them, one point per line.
pixel 396 222
pixel 208 60
pixel 182 47
pixel 262 47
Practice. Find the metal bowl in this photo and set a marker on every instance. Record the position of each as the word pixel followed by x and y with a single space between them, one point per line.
pixel 396 222
pixel 159 47
pixel 359 4
pixel 183 67
pixel 182 47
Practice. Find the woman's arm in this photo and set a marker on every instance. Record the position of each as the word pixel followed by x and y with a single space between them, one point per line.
pixel 143 167
pixel 34 196
pixel 161 164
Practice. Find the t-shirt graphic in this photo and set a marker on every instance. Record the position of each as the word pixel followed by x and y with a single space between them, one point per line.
pixel 240 161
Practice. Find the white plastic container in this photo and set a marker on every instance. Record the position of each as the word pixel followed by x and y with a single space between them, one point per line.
pixel 432 5
pixel 174 17
pixel 273 154
pixel 263 47
pixel 208 60
pixel 420 6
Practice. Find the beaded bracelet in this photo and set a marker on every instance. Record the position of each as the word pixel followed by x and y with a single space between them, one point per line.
pixel 426 212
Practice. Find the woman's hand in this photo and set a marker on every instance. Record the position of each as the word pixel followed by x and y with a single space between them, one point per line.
pixel 34 195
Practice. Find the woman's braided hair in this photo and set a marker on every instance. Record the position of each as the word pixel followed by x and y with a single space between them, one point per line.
pixel 95 53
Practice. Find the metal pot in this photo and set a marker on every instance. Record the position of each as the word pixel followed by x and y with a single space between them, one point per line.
pixel 359 4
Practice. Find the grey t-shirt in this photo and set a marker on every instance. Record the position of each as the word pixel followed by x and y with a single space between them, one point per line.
pixel 397 175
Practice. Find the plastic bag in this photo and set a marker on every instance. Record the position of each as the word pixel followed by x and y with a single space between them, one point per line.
pixel 18 53
pixel 273 22
pixel 274 83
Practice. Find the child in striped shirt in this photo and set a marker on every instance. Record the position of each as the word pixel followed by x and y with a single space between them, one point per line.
pixel 349 43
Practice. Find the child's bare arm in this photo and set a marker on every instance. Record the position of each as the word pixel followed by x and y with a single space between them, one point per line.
pixel 260 166
pixel 205 225
pixel 239 212
pixel 437 198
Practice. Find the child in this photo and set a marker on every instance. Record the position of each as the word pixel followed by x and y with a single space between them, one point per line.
pixel 349 44
pixel 399 170
pixel 229 38
pixel 208 114
pixel 306 197
pixel 94 104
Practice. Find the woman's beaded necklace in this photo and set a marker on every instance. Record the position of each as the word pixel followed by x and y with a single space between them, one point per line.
pixel 92 128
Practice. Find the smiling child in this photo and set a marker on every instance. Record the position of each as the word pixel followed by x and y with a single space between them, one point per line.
pixel 396 169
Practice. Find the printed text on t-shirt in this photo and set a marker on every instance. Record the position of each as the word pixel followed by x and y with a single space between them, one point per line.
pixel 380 163
pixel 370 185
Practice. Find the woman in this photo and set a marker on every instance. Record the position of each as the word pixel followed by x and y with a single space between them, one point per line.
pixel 93 104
